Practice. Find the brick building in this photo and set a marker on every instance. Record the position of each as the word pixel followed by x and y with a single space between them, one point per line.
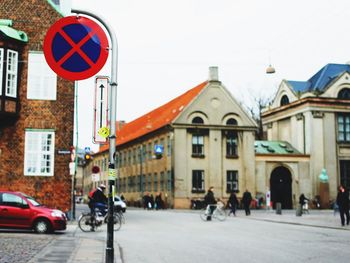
pixel 36 106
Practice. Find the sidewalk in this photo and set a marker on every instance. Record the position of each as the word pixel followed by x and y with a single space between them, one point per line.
pixel 315 218
pixel 71 248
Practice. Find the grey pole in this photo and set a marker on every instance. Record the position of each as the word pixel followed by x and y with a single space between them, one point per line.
pixel 112 137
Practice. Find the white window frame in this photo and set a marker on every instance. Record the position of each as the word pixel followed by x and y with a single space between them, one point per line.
pixel 1 67
pixel 41 80
pixel 39 153
pixel 11 73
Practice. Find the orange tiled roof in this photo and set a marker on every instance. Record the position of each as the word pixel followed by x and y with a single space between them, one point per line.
pixel 156 118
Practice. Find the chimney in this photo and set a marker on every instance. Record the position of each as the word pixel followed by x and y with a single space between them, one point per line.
pixel 213 74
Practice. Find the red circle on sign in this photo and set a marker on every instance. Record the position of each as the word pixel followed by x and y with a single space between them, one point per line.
pixel 76 48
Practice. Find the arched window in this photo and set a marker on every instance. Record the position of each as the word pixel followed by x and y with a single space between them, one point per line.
pixel 344 94
pixel 197 120
pixel 231 121
pixel 284 100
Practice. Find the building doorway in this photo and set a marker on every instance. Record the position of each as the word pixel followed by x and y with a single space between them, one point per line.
pixel 281 187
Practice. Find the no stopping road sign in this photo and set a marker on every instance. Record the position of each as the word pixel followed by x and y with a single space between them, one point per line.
pixel 75 47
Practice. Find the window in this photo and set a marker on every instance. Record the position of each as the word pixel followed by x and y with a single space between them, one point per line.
pixel 231 144
pixel 155 182
pixel 149 182
pixel 284 100
pixel 197 145
pixel 232 181
pixel 11 73
pixel 39 153
pixel 231 121
pixel 1 67
pixel 42 81
pixel 344 94
pixel 197 120
pixel 169 146
pixel 198 181
pixel 12 200
pixel 143 183
pixel 344 127
pixel 149 150
pixel 162 181
pixel 345 173
pixel 170 182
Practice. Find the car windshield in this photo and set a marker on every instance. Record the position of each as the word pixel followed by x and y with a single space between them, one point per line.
pixel 32 200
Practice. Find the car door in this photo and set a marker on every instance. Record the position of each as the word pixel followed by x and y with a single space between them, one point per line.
pixel 14 211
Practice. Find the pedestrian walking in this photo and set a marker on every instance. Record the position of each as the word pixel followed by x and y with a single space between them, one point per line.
pixel 209 199
pixel 247 199
pixel 303 201
pixel 232 204
pixel 343 204
pixel 159 202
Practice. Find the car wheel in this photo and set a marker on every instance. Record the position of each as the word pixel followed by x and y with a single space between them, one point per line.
pixel 42 226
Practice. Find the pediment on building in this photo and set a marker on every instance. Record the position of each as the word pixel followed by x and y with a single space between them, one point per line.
pixel 284 92
pixel 215 105
pixel 337 85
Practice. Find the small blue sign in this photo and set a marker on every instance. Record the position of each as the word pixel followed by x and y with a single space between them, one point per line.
pixel 87 149
pixel 158 148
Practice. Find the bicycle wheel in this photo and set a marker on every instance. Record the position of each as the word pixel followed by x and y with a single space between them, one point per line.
pixel 117 221
pixel 87 223
pixel 204 214
pixel 121 215
pixel 220 214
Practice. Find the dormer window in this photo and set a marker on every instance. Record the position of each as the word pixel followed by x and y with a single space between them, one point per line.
pixel 344 94
pixel 284 100
pixel 197 120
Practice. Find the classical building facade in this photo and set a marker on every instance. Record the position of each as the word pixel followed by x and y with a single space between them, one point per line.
pixel 36 107
pixel 200 139
pixel 313 116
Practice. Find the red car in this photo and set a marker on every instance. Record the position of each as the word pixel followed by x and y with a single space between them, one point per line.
pixel 18 210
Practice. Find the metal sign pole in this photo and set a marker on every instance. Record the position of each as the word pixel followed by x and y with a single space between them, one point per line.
pixel 112 138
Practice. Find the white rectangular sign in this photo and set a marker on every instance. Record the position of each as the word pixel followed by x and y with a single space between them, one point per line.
pixel 95 177
pixel 101 110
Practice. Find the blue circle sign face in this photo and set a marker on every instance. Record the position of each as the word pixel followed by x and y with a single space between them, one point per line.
pixel 76 48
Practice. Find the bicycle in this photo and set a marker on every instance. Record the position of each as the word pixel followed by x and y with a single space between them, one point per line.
pixel 218 213
pixel 88 222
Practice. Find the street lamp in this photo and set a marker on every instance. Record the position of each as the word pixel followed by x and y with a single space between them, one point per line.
pixel 270 69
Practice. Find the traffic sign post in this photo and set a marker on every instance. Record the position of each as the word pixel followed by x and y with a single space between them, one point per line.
pixel 112 134
pixel 76 47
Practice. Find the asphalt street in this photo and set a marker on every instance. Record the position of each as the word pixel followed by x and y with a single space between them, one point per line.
pixel 171 236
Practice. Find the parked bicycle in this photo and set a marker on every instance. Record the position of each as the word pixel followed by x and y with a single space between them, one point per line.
pixel 89 222
pixel 218 213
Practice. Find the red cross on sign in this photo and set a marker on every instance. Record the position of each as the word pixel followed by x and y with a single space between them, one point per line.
pixel 75 47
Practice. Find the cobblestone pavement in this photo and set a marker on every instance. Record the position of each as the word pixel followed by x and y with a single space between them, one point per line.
pixel 21 247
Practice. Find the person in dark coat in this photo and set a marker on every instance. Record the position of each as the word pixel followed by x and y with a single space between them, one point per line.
pixel 247 199
pixel 303 201
pixel 159 201
pixel 233 203
pixel 343 204
pixel 98 199
pixel 209 199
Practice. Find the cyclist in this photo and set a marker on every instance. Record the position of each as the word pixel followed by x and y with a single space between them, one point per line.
pixel 209 199
pixel 97 199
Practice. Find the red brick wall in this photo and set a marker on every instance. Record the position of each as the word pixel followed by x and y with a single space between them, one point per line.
pixel 34 17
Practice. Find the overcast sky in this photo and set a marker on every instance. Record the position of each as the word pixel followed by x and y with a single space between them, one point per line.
pixel 165 48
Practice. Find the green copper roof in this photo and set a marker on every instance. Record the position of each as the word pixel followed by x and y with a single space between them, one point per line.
pixel 274 147
pixel 5 28
pixel 58 10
